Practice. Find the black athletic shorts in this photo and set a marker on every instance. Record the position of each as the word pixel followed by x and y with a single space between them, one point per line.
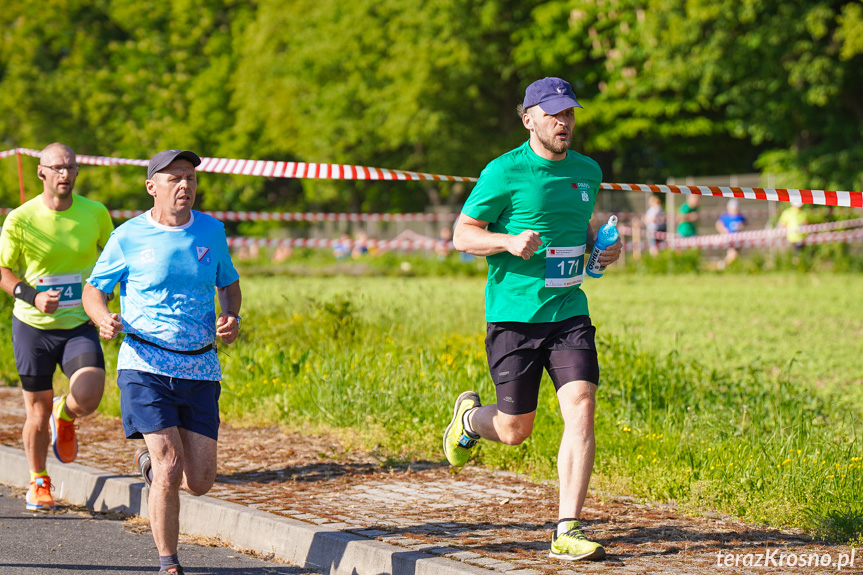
pixel 517 353
pixel 39 351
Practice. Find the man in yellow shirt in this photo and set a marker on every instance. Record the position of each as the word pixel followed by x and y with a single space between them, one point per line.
pixel 47 248
pixel 791 219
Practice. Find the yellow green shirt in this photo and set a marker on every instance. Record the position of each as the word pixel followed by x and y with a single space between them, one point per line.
pixel 792 218
pixel 54 250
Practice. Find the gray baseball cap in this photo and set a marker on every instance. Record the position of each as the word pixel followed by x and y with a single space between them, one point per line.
pixel 161 160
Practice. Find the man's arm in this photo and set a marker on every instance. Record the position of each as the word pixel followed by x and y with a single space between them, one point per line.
pixel 44 301
pixel 95 305
pixel 471 236
pixel 228 323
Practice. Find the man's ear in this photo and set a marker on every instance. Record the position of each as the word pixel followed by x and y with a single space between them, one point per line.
pixel 151 187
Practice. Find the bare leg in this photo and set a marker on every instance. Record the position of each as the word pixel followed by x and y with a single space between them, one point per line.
pixel 577 447
pixel 179 459
pixel 36 434
pixel 85 391
pixel 490 423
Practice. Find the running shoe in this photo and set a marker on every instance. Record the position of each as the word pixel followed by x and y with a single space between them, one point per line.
pixel 63 438
pixel 142 462
pixel 573 545
pixel 457 444
pixel 171 570
pixel 39 495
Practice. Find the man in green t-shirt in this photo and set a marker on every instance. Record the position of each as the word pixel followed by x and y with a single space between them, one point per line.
pixel 688 216
pixel 47 248
pixel 529 214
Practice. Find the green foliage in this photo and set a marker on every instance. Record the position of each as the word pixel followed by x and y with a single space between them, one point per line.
pixel 670 87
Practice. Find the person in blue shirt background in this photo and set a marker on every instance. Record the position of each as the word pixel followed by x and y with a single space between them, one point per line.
pixel 169 262
pixel 730 222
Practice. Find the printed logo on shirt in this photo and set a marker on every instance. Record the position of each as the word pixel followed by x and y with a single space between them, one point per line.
pixel 583 187
pixel 148 256
pixel 203 254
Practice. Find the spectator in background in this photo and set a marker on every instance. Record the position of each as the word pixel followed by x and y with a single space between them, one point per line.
pixel 790 220
pixel 342 248
pixel 361 246
pixel 654 221
pixel 730 222
pixel 688 216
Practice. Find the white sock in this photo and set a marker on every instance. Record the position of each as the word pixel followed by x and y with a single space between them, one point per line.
pixel 466 423
pixel 564 525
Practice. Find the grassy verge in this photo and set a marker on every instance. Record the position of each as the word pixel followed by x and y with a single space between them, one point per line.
pixel 382 359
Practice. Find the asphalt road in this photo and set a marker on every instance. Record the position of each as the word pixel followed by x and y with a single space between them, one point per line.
pixel 73 540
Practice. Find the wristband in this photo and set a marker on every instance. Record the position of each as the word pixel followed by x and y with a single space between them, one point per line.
pixel 25 292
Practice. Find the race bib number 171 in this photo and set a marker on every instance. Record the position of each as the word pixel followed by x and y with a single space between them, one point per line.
pixel 564 267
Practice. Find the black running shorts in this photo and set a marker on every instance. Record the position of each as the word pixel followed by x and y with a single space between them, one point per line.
pixel 39 351
pixel 517 353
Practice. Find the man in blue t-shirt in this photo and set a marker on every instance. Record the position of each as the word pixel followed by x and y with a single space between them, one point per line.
pixel 730 222
pixel 169 262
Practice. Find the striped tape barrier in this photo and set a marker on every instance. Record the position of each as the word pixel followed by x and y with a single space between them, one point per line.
pixel 275 169
pixel 239 242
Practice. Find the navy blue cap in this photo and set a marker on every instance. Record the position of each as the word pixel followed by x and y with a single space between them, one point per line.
pixel 164 158
pixel 553 95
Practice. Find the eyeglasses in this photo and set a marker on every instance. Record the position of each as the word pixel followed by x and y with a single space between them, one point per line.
pixel 71 168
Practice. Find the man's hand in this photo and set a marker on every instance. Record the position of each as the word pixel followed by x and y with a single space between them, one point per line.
pixel 524 245
pixel 110 326
pixel 47 301
pixel 227 327
pixel 610 254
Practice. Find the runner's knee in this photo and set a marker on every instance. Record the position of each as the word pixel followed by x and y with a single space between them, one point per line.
pixel 515 431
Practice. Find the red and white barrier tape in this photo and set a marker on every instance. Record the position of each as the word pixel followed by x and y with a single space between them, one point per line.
pixel 816 197
pixel 270 168
pixel 274 169
pixel 239 242
pixel 715 240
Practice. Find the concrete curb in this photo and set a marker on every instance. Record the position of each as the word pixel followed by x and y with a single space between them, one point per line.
pixel 303 544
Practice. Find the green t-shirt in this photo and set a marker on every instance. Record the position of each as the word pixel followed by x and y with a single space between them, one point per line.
pixel 521 191
pixel 54 250
pixel 686 229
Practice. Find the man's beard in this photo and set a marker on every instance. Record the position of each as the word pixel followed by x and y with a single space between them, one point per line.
pixel 554 145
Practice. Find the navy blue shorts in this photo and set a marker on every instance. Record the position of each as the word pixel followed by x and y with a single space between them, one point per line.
pixel 517 353
pixel 39 351
pixel 151 402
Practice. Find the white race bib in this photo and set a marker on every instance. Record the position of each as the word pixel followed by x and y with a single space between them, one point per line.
pixel 564 267
pixel 69 287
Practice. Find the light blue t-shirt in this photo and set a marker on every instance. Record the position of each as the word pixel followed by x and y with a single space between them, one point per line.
pixel 167 276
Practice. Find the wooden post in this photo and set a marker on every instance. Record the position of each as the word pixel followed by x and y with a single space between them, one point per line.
pixel 636 239
pixel 670 220
pixel 20 177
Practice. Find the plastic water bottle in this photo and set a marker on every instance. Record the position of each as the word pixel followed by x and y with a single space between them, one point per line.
pixel 606 237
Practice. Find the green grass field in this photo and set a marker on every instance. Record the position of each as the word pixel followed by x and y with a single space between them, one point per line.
pixel 737 393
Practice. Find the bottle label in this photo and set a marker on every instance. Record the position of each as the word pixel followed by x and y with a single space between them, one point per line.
pixel 593 263
pixel 564 267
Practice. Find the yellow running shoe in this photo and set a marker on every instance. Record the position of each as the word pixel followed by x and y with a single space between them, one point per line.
pixel 63 438
pixel 573 545
pixel 39 495
pixel 457 444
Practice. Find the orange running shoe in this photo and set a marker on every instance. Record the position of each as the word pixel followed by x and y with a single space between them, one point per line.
pixel 63 438
pixel 39 495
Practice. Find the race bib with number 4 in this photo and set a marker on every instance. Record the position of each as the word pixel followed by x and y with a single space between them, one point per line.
pixel 69 287
pixel 564 267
